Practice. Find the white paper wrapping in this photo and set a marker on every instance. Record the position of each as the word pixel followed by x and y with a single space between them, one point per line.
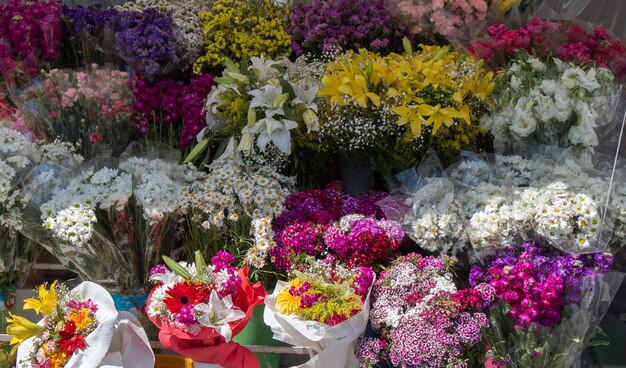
pixel 119 340
pixel 334 345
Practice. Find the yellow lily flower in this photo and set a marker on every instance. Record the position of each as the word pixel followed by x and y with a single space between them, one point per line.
pixel 409 114
pixel 330 88
pixel 47 301
pixel 357 89
pixel 439 115
pixel 503 6
pixel 482 87
pixel 81 319
pixel 462 107
pixel 20 329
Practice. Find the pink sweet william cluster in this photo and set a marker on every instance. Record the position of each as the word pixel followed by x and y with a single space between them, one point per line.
pixel 445 17
pixel 536 284
pixel 543 38
pixel 421 318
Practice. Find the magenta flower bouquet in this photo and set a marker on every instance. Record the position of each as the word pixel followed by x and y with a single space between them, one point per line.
pixel 546 305
pixel 422 318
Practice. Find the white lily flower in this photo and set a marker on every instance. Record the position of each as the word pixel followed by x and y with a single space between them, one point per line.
pixel 262 67
pixel 265 96
pixel 218 313
pixel 274 130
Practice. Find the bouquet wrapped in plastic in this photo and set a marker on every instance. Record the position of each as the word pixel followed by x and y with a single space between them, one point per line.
pixel 91 109
pixel 324 308
pixel 112 221
pixel 199 308
pixel 546 306
pixel 79 328
pixel 552 103
pixel 422 318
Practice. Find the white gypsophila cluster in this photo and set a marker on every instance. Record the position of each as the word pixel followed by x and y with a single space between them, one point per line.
pixel 618 206
pixel 263 242
pixel 228 192
pixel 553 103
pixel 186 24
pixel 73 225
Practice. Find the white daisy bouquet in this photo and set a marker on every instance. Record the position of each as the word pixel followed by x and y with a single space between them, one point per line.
pixel 112 221
pixel 550 102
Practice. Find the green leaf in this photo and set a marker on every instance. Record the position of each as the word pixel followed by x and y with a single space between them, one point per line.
pixel 440 54
pixel 281 69
pixel 280 100
pixel 239 77
pixel 197 151
pixel 598 343
pixel 200 264
pixel 369 69
pixel 407 46
pixel 300 275
pixel 231 66
pixel 177 268
pixel 225 80
pixel 287 88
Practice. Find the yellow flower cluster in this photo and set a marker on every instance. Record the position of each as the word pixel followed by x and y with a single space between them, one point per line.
pixel 427 88
pixel 240 29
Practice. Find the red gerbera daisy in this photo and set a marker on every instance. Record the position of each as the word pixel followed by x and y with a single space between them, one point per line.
pixel 183 294
pixel 70 341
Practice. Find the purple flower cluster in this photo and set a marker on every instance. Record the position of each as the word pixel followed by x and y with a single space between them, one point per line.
pixel 169 102
pixel 224 261
pixel 320 222
pixel 419 313
pixel 30 30
pixel 91 20
pixel 536 284
pixel 145 40
pixel 328 26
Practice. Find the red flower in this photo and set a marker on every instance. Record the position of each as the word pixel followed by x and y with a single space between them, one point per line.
pixel 183 294
pixel 70 341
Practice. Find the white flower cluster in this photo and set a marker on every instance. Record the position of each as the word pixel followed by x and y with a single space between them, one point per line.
pixel 278 104
pixel 437 224
pixel 553 103
pixel 73 225
pixel 228 192
pixel 263 242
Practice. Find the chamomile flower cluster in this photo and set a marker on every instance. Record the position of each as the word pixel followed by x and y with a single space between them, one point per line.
pixel 263 242
pixel 229 192
pixel 550 103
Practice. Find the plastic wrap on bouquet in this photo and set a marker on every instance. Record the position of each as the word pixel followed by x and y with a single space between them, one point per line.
pixel 91 108
pixel 334 345
pixel 117 341
pixel 194 338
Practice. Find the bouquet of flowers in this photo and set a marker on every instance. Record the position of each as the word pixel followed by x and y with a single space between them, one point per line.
pixel 268 107
pixel 550 103
pixel 354 25
pixel 323 221
pixel 543 38
pixel 546 305
pixel 80 328
pixel 225 208
pixel 239 30
pixel 422 318
pixel 443 17
pixel 324 307
pixel 399 105
pixel 111 222
pixel 200 307
pixel 17 156
pixel 91 109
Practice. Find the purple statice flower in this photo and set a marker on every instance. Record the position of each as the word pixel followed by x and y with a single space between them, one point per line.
pixel 186 314
pixel 330 26
pixel 191 106
pixel 79 20
pixel 145 40
pixel 30 31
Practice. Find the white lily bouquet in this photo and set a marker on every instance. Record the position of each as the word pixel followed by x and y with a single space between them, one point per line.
pixel 112 221
pixel 550 102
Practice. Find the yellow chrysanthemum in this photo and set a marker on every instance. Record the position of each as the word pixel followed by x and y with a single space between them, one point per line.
pixel 47 300
pixel 20 329
pixel 287 303
pixel 81 319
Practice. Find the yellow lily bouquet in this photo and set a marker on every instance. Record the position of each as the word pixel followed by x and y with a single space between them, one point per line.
pixel 400 105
